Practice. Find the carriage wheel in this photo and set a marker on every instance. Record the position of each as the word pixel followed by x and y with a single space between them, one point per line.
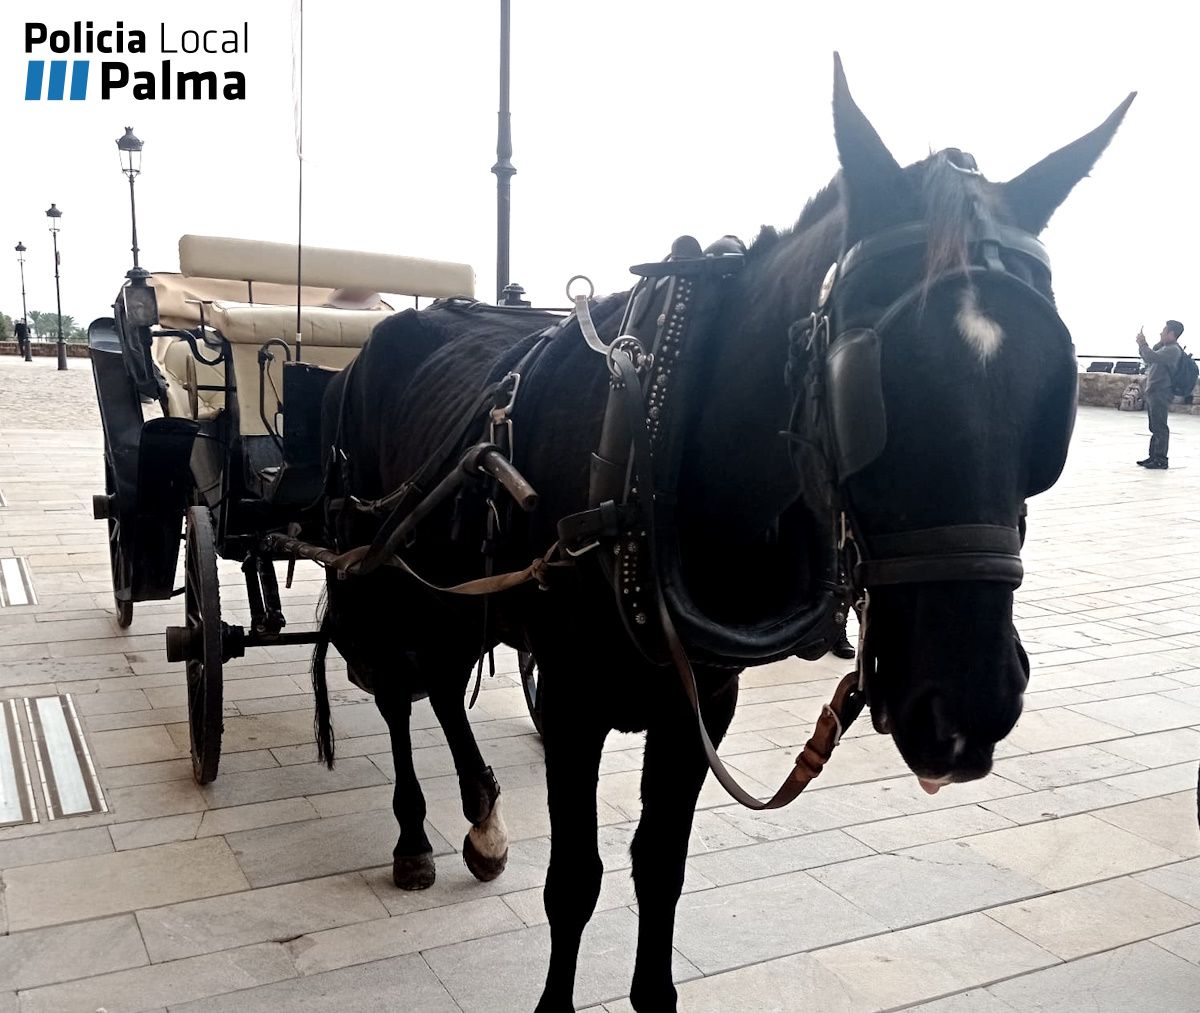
pixel 202 647
pixel 122 572
pixel 527 665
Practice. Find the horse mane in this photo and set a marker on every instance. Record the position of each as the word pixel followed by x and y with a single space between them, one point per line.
pixel 953 196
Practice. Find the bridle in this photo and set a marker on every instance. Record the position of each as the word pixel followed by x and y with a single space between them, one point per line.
pixel 841 393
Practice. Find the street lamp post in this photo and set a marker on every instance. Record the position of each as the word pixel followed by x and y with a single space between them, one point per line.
pixel 504 169
pixel 28 349
pixel 137 307
pixel 54 215
pixel 130 148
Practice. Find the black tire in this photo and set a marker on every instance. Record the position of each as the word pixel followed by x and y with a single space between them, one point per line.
pixel 202 605
pixel 527 665
pixel 122 570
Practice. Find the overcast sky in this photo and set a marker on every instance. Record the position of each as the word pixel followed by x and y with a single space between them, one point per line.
pixel 633 122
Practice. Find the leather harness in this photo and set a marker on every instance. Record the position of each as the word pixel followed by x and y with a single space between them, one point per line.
pixel 842 392
pixel 835 378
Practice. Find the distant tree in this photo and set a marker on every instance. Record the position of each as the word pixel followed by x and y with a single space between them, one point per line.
pixel 45 325
pixel 77 334
pixel 6 329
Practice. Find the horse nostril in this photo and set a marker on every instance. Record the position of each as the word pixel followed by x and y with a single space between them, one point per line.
pixel 946 731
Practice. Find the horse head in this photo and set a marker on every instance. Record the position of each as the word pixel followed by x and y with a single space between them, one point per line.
pixel 949 382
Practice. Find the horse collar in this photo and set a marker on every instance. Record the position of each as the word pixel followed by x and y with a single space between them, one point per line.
pixel 635 472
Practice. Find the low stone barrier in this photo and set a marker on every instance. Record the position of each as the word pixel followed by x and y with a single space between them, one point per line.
pixel 1104 390
pixel 74 349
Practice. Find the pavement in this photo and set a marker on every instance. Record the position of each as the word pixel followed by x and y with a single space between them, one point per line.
pixel 1067 880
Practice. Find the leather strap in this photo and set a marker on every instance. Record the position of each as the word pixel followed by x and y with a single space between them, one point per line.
pixel 836 716
pixel 607 520
pixel 349 562
pixel 996 568
pixel 987 552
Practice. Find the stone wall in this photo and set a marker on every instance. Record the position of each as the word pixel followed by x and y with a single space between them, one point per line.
pixel 1104 390
pixel 75 350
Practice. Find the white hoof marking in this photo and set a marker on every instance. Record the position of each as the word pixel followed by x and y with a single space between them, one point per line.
pixel 490 838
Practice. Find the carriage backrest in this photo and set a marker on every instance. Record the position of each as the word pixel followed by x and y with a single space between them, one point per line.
pixel 180 296
pixel 245 259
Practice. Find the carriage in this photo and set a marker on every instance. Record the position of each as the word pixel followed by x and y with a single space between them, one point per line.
pixel 237 355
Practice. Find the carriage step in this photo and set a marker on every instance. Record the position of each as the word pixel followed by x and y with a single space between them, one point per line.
pixel 101 505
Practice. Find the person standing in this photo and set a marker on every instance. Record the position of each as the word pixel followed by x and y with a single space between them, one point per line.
pixel 1163 359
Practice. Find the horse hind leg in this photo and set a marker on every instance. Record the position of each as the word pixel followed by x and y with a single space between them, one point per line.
pixel 485 848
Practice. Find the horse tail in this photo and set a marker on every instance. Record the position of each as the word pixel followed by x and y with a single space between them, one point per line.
pixel 322 720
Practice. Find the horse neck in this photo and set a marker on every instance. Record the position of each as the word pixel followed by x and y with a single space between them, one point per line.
pixel 741 469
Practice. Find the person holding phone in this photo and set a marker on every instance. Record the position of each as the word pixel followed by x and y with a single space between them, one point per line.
pixel 1163 359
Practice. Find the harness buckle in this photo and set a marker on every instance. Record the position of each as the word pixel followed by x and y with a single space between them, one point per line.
pixel 500 428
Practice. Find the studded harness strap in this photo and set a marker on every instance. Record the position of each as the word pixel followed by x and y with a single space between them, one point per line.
pixel 631 525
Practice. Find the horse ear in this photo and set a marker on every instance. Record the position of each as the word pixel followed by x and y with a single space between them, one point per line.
pixel 1036 194
pixel 874 181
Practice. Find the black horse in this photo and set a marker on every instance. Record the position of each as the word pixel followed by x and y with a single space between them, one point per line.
pixel 961 409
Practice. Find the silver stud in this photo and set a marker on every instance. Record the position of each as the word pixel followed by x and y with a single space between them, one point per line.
pixel 827 285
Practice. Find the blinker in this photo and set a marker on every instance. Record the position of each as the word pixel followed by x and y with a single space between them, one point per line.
pixel 854 388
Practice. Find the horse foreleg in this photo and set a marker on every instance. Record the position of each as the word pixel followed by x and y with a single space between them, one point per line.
pixel 673 771
pixel 412 859
pixel 573 879
pixel 485 848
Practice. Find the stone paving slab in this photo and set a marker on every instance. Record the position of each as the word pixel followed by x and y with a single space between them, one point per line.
pixel 1068 880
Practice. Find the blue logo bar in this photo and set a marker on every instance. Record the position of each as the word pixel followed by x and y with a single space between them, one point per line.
pixel 33 80
pixel 57 85
pixel 79 76
pixel 58 80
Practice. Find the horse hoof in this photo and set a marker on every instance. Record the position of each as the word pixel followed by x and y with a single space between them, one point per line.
pixel 414 872
pixel 483 867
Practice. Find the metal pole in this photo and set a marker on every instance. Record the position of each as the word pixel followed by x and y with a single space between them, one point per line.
pixel 62 348
pixel 24 311
pixel 503 168
pixel 133 217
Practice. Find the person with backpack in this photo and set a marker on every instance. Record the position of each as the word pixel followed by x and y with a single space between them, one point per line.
pixel 1165 373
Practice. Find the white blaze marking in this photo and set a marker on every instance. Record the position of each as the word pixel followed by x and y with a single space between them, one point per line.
pixel 980 331
pixel 491 836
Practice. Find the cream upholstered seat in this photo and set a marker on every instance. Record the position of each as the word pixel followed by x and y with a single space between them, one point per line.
pixel 242 259
pixel 245 292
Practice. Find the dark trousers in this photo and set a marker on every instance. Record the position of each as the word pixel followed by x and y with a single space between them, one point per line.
pixel 1160 435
